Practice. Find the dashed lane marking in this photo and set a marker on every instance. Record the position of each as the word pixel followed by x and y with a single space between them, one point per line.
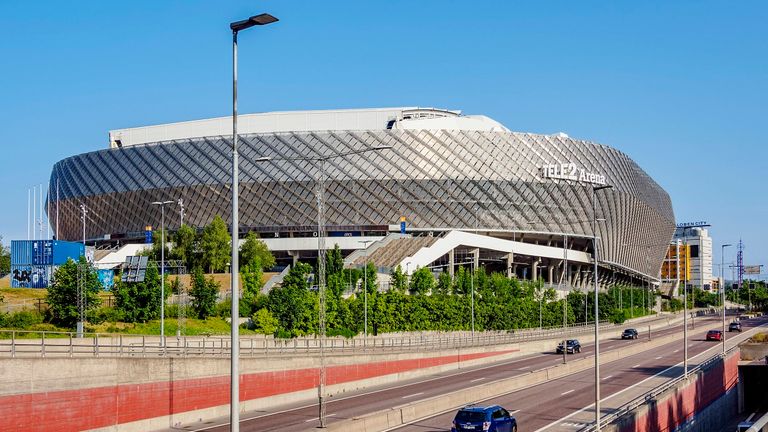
pixel 413 395
pixel 569 391
pixel 477 379
pixel 609 376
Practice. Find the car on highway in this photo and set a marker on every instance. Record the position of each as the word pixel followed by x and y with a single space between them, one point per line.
pixel 734 326
pixel 571 346
pixel 486 419
pixel 629 333
pixel 715 335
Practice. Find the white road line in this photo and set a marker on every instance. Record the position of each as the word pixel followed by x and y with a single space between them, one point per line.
pixel 609 376
pixel 636 366
pixel 314 419
pixel 675 351
pixel 514 411
pixel 659 357
pixel 524 368
pixel 476 380
pixel 413 395
pixel 569 391
pixel 592 405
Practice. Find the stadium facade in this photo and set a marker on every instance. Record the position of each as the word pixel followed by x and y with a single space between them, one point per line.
pixel 512 199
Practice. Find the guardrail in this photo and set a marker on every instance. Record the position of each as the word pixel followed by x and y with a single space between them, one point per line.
pixel 650 395
pixel 25 343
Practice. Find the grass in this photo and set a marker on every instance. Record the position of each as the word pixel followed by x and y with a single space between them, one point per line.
pixel 759 338
pixel 194 327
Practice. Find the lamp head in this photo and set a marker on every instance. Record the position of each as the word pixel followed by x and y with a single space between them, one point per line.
pixel 261 19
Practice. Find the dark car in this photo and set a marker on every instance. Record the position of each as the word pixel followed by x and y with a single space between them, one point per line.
pixel 734 326
pixel 572 346
pixel 715 335
pixel 629 333
pixel 486 419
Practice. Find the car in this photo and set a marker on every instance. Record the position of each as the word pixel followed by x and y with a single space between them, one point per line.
pixel 734 326
pixel 572 346
pixel 629 333
pixel 715 335
pixel 486 419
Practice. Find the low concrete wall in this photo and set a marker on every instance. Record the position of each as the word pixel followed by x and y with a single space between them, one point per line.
pixel 753 351
pixel 703 403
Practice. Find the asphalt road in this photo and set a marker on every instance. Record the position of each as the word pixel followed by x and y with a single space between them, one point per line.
pixel 534 407
pixel 543 407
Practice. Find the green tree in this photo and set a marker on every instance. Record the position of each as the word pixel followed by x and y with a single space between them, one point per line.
pixel 215 245
pixel 444 284
pixel 334 262
pixel 252 277
pixel 140 301
pixel 62 294
pixel 205 293
pixel 185 246
pixel 5 260
pixel 399 279
pixel 422 281
pixel 264 322
pixel 254 250
pixel 294 306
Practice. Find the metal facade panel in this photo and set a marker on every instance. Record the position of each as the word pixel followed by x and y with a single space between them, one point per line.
pixel 31 252
pixel 437 179
pixel 64 250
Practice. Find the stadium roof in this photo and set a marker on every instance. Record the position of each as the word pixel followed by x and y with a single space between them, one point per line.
pixel 307 121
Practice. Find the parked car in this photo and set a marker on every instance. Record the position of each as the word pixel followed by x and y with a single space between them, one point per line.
pixel 734 326
pixel 572 346
pixel 715 335
pixel 486 419
pixel 629 333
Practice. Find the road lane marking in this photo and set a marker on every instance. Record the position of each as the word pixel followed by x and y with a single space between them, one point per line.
pixel 514 411
pixel 569 391
pixel 592 405
pixel 524 368
pixel 659 357
pixel 609 376
pixel 636 366
pixel 413 395
pixel 675 351
pixel 314 419
pixel 476 380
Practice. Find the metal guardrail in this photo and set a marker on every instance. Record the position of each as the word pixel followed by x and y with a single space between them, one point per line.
pixel 25 343
pixel 650 395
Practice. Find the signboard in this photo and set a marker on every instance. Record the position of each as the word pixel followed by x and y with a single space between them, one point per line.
pixel 402 224
pixel 752 269
pixel 106 278
pixel 692 224
pixel 148 234
pixel 570 171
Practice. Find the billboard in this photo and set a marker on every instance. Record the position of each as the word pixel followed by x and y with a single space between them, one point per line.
pixel 752 269
pixel 107 279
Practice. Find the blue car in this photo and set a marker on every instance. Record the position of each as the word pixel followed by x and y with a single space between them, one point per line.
pixel 484 419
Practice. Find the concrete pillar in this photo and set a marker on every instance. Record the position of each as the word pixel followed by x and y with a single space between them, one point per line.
pixel 295 256
pixel 550 273
pixel 535 270
pixel 451 263
pixel 476 258
pixel 510 261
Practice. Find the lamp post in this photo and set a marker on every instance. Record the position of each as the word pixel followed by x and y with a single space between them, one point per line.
pixel 234 401
pixel 565 298
pixel 597 310
pixel 162 205
pixel 722 288
pixel 365 290
pixel 319 193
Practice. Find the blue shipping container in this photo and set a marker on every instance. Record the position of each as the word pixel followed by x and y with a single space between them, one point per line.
pixel 30 276
pixel 44 252
pixel 31 252
pixel 64 250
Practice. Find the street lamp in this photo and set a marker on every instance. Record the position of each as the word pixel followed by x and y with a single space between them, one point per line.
pixel 597 310
pixel 365 290
pixel 234 401
pixel 321 254
pixel 162 205
pixel 722 288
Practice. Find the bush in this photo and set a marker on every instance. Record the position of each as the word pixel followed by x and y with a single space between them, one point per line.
pixel 23 319
pixel 347 333
pixel 283 334
pixel 619 316
pixel 264 322
pixel 104 314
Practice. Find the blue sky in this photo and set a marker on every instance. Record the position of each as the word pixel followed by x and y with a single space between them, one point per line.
pixel 679 86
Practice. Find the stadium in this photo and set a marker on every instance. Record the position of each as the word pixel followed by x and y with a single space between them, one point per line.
pixel 408 186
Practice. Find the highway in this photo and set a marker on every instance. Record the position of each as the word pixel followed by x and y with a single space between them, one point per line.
pixel 535 407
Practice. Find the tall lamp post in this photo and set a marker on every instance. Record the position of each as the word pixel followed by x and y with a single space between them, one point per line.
pixel 234 398
pixel 162 205
pixel 722 287
pixel 365 289
pixel 597 309
pixel 320 192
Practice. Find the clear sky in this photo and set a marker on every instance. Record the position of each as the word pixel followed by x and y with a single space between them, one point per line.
pixel 680 86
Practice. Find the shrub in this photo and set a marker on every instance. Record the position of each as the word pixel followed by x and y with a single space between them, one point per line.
pixel 283 334
pixel 619 316
pixel 23 319
pixel 104 314
pixel 343 331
